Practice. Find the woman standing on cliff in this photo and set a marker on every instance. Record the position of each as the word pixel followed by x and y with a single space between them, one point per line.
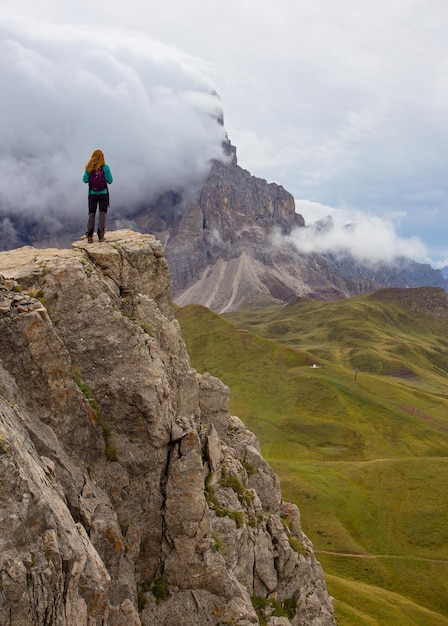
pixel 98 175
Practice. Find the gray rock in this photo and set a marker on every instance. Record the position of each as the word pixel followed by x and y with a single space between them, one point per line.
pixel 129 495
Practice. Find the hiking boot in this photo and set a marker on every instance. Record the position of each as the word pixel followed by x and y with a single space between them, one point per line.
pixel 89 239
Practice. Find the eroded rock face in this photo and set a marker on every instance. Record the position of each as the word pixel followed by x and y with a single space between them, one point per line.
pixel 236 244
pixel 229 244
pixel 129 495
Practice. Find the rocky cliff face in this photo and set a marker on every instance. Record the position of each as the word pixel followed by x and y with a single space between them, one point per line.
pixel 227 248
pixel 129 495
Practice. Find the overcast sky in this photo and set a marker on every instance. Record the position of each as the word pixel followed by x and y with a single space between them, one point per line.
pixel 345 104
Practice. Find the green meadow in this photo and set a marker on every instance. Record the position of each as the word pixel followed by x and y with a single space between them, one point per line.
pixel 349 400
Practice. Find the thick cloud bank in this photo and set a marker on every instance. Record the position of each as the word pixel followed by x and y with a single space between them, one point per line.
pixel 69 90
pixel 367 237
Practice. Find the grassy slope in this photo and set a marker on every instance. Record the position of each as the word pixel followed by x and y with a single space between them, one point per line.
pixel 366 461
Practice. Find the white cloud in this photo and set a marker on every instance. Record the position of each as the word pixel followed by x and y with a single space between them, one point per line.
pixel 259 150
pixel 70 90
pixel 365 236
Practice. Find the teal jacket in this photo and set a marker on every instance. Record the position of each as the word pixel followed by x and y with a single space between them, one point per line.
pixel 107 175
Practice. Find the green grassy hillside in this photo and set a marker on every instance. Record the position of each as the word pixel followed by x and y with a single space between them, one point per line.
pixel 360 442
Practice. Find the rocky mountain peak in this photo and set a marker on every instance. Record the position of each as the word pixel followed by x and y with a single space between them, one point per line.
pixel 129 494
pixel 229 246
pixel 226 247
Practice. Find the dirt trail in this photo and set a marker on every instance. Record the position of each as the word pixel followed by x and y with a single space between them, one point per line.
pixel 381 556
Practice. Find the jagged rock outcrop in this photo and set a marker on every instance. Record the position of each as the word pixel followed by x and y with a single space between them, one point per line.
pixel 226 248
pixel 129 495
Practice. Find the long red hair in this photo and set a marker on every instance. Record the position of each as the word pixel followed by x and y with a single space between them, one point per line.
pixel 97 160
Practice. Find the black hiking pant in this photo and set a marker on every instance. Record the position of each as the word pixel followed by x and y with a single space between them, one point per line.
pixel 101 201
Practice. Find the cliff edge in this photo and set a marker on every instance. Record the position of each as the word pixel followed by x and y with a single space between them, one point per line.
pixel 129 495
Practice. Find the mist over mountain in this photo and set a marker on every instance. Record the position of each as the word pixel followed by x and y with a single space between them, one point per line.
pixel 70 90
pixel 364 236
